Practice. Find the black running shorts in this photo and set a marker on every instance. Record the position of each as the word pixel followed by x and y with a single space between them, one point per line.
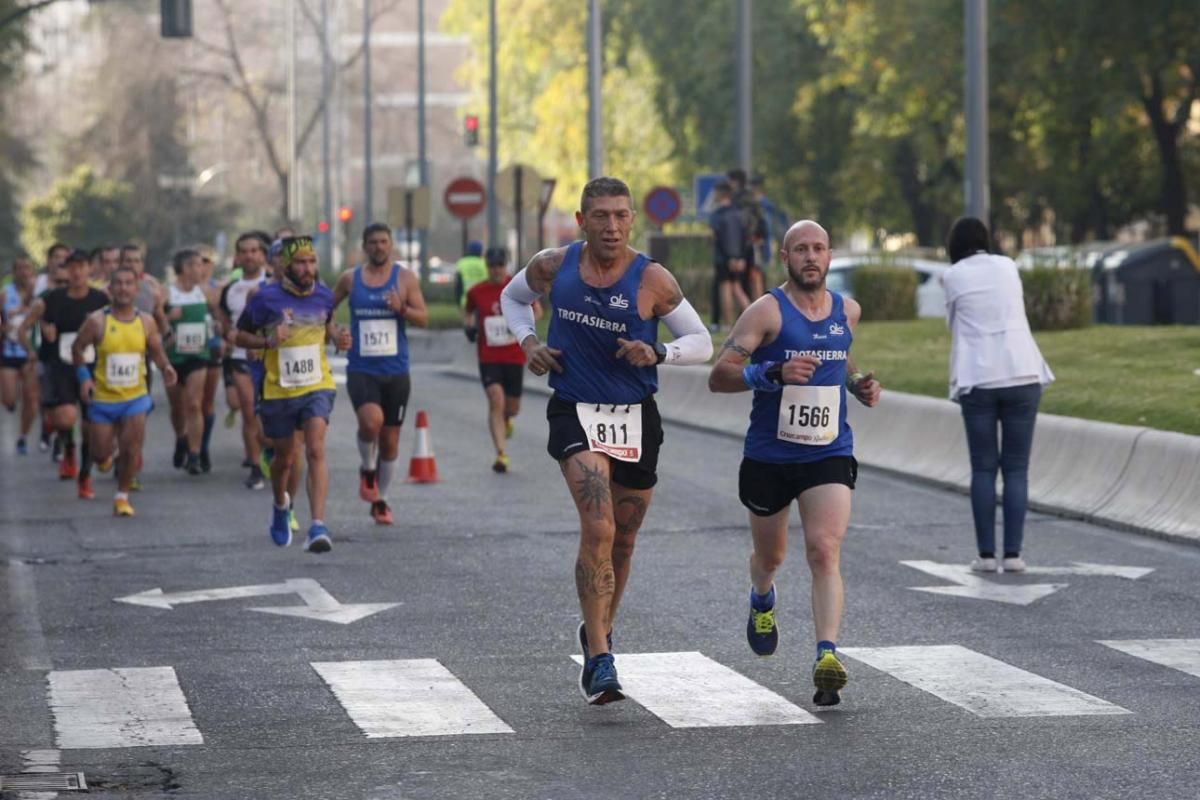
pixel 389 392
pixel 510 376
pixel 567 438
pixel 767 489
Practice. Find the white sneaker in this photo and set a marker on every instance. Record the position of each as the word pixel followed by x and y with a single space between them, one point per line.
pixel 983 565
pixel 1014 564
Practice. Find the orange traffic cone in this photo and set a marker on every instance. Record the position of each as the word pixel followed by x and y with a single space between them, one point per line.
pixel 422 468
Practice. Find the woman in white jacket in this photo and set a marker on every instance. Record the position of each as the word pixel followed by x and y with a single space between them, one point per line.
pixel 996 375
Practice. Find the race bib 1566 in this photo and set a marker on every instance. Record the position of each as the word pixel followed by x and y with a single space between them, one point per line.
pixel 810 414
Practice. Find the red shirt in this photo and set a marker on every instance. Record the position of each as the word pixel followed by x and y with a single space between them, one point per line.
pixel 484 299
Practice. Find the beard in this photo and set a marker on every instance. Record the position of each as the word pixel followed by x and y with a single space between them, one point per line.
pixel 805 281
pixel 303 281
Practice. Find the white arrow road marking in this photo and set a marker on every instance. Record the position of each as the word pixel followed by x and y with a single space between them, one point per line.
pixel 690 690
pixel 319 604
pixel 972 586
pixel 1102 570
pixel 981 684
pixel 1180 654
pixel 102 708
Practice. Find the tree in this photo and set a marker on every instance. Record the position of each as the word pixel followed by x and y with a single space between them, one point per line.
pixel 80 209
pixel 15 156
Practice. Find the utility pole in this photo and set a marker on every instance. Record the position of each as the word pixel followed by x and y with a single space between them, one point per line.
pixel 977 184
pixel 422 161
pixel 368 183
pixel 493 212
pixel 745 86
pixel 293 198
pixel 595 65
pixel 326 165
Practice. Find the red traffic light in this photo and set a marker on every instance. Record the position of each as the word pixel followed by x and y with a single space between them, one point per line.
pixel 472 122
pixel 345 214
pixel 471 130
pixel 322 227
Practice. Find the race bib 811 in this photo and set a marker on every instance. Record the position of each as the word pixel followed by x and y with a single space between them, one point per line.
pixel 615 431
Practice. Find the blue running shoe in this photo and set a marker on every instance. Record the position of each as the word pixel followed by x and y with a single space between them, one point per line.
pixel 22 448
pixel 583 645
pixel 319 540
pixel 829 676
pixel 599 676
pixel 762 631
pixel 281 532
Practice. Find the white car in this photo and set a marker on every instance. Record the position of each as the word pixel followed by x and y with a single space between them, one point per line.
pixel 931 297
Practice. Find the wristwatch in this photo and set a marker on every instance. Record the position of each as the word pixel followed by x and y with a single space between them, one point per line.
pixel 660 352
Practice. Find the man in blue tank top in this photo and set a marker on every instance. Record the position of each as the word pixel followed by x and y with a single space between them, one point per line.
pixel 799 445
pixel 605 429
pixel 384 299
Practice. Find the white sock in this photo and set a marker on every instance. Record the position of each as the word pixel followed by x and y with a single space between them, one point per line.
pixel 387 469
pixel 121 496
pixel 369 452
pixel 287 502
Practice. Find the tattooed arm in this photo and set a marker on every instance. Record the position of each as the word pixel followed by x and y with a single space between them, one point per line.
pixel 758 325
pixel 516 302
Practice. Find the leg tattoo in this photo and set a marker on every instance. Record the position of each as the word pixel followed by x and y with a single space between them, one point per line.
pixel 594 493
pixel 629 514
pixel 596 580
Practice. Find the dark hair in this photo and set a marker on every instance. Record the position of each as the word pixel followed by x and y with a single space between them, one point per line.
pixel 125 268
pixel 263 239
pixel 737 175
pixel 376 227
pixel 496 256
pixel 757 179
pixel 723 187
pixel 603 187
pixel 181 257
pixel 54 248
pixel 967 237
pixel 130 247
pixel 77 255
pixel 95 254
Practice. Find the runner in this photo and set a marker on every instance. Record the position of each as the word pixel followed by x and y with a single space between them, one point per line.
pixel 53 277
pixel 501 360
pixel 384 299
pixel 240 364
pixel 18 375
pixel 215 347
pixel 187 312
pixel 289 321
pixel 799 445
pixel 61 312
pixel 605 429
pixel 117 396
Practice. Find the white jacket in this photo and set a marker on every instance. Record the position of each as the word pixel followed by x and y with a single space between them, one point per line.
pixel 990 342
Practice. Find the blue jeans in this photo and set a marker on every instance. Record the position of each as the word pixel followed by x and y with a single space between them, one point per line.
pixel 1015 409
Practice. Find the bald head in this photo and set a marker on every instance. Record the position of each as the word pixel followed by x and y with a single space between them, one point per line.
pixel 807 255
pixel 806 227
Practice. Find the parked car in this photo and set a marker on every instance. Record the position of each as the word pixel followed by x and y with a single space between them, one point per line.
pixel 931 297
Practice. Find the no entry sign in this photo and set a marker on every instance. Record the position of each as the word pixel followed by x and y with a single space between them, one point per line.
pixel 465 197
pixel 662 204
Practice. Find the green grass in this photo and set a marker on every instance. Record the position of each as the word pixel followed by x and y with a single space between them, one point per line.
pixel 1132 375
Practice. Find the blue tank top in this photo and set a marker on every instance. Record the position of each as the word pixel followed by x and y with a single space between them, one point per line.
pixel 379 343
pixel 585 326
pixel 12 302
pixel 829 340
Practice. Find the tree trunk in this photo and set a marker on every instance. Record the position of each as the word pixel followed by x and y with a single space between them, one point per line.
pixel 1166 135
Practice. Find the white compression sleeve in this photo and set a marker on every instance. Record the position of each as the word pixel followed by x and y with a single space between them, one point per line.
pixel 516 302
pixel 693 343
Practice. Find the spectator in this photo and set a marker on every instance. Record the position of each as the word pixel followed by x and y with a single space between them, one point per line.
pixel 469 271
pixel 754 232
pixel 996 374
pixel 775 222
pixel 729 254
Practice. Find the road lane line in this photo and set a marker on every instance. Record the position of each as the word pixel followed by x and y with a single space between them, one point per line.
pixel 138 707
pixel 413 697
pixel 982 685
pixel 690 690
pixel 29 642
pixel 1180 654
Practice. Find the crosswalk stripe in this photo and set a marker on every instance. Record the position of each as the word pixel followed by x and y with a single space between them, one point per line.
pixel 413 697
pixel 690 690
pixel 138 707
pixel 1180 654
pixel 982 685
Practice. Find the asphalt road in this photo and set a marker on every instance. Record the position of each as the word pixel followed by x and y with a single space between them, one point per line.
pixel 466 688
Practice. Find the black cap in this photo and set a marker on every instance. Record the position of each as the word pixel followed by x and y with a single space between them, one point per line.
pixel 496 256
pixel 78 255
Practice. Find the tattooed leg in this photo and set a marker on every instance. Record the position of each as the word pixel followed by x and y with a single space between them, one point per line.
pixel 587 476
pixel 628 512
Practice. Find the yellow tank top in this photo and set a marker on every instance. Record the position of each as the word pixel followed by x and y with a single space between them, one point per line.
pixel 120 372
pixel 298 367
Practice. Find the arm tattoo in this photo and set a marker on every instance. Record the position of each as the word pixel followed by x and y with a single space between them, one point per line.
pixel 732 345
pixel 543 267
pixel 596 580
pixel 593 491
pixel 628 515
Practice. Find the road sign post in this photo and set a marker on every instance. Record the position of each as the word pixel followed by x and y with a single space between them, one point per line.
pixel 519 186
pixel 408 207
pixel 464 198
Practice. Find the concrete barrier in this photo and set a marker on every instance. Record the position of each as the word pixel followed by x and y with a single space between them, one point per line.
pixel 1120 475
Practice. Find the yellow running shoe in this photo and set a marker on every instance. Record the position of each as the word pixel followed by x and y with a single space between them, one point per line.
pixel 829 676
pixel 105 465
pixel 231 418
pixel 121 508
pixel 135 485
pixel 293 523
pixel 501 463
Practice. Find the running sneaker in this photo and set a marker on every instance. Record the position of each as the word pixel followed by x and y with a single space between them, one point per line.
pixel 255 479
pixel 231 418
pixel 246 462
pixel 264 461
pixel 501 464
pixel 135 485
pixel 583 643
pixel 381 512
pixel 281 531
pixel 983 565
pixel 193 464
pixel 598 681
pixel 508 428
pixel 106 465
pixel 319 540
pixel 56 453
pixel 1014 564
pixel 66 468
pixel 181 453
pixel 367 490
pixel 85 489
pixel 829 676
pixel 22 448
pixel 293 523
pixel 762 631
pixel 44 443
pixel 205 461
pixel 122 508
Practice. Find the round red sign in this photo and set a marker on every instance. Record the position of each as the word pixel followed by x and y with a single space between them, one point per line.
pixel 465 197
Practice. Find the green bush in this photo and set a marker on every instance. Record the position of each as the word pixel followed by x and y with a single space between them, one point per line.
pixel 885 293
pixel 1057 299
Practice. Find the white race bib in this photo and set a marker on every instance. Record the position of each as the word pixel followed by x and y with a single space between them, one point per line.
pixel 615 431
pixel 14 324
pixel 123 370
pixel 810 414
pixel 190 337
pixel 65 342
pixel 299 366
pixel 497 332
pixel 377 337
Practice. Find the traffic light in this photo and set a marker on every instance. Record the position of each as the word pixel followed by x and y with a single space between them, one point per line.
pixel 176 18
pixel 471 129
pixel 345 214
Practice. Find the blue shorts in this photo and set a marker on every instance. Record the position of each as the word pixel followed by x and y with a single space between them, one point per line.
pixel 112 413
pixel 281 418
